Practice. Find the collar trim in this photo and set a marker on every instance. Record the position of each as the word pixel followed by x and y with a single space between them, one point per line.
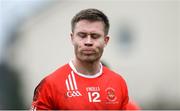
pixel 85 75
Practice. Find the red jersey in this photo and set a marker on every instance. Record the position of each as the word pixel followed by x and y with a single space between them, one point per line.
pixel 132 106
pixel 67 89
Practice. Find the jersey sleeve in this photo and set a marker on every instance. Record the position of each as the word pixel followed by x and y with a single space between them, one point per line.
pixel 42 99
pixel 125 96
pixel 132 105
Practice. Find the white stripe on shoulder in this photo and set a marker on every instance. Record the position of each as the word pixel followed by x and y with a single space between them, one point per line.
pixel 67 85
pixel 70 81
pixel 74 80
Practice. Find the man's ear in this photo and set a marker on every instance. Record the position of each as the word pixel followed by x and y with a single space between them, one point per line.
pixel 71 34
pixel 106 40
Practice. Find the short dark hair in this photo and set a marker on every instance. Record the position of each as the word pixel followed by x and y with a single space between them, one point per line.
pixel 91 15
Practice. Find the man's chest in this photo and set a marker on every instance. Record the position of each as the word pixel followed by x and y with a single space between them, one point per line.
pixel 78 93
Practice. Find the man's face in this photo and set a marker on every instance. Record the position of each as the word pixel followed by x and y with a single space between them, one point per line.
pixel 89 40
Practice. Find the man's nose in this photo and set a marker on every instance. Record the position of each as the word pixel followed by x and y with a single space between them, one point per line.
pixel 88 41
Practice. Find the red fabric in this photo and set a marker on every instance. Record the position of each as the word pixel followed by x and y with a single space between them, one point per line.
pixel 64 89
pixel 132 106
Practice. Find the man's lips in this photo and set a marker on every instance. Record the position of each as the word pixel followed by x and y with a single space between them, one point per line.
pixel 88 51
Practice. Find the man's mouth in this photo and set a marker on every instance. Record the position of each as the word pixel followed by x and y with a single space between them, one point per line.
pixel 88 51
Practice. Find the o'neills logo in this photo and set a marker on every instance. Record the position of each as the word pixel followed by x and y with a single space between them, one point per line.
pixel 72 90
pixel 111 94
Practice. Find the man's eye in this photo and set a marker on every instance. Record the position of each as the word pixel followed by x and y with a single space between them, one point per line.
pixel 95 36
pixel 82 35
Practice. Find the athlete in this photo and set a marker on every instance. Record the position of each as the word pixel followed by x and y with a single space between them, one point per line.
pixel 84 83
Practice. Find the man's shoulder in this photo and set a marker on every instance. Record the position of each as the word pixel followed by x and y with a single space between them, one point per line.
pixel 115 78
pixel 61 70
pixel 55 77
pixel 59 73
pixel 112 74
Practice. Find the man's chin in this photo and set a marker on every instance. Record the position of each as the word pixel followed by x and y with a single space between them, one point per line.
pixel 88 59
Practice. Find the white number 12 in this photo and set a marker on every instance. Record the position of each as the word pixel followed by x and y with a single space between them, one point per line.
pixel 94 97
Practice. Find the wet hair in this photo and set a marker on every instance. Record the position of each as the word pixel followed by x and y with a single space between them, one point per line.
pixel 91 15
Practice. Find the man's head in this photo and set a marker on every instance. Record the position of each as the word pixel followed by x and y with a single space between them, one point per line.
pixel 89 34
pixel 91 15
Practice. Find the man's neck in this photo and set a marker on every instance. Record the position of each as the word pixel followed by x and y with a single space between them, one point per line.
pixel 88 68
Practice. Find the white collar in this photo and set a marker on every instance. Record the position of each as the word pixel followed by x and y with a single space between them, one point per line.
pixel 85 75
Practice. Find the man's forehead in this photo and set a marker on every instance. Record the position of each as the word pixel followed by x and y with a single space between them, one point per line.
pixel 90 22
pixel 93 31
pixel 87 26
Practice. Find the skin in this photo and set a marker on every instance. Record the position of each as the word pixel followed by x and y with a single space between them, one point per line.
pixel 89 40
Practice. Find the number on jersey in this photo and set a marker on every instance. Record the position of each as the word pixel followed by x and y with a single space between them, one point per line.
pixel 94 97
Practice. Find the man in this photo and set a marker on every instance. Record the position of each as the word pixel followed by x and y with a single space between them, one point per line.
pixel 83 83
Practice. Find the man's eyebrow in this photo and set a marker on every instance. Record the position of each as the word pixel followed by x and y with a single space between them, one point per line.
pixel 81 32
pixel 95 33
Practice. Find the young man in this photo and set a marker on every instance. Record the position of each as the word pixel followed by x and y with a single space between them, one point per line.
pixel 83 83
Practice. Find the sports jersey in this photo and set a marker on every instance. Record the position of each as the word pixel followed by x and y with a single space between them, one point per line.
pixel 67 89
pixel 132 105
